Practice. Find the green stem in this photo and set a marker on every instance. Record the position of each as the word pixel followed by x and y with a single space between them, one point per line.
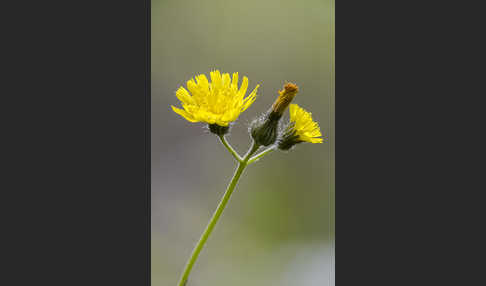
pixel 263 153
pixel 230 149
pixel 217 214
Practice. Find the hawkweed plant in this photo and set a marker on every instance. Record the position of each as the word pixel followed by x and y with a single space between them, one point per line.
pixel 219 103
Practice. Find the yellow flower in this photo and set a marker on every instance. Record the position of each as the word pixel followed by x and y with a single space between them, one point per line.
pixel 307 129
pixel 217 102
pixel 301 128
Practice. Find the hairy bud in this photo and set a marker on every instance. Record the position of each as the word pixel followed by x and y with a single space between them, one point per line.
pixel 264 130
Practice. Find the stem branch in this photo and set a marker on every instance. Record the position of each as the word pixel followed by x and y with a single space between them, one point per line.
pixel 263 153
pixel 230 149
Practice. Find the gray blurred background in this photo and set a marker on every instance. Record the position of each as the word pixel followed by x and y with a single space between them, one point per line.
pixel 278 228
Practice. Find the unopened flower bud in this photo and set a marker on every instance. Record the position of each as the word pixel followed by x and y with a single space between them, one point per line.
pixel 285 98
pixel 264 130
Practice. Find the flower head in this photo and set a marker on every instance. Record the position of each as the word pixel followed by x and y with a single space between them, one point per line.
pixel 218 102
pixel 301 128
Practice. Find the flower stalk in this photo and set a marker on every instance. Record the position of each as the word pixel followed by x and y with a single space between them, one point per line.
pixel 219 210
pixel 230 149
pixel 263 153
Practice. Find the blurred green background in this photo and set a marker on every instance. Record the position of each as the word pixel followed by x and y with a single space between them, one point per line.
pixel 278 228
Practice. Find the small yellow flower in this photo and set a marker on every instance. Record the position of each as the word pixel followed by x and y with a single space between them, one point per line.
pixel 301 128
pixel 307 129
pixel 217 102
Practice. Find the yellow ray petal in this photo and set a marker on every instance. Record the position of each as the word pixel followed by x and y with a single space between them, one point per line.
pixel 202 82
pixel 234 82
pixel 192 86
pixel 184 114
pixel 226 80
pixel 250 99
pixel 216 80
pixel 293 112
pixel 244 87
pixel 184 96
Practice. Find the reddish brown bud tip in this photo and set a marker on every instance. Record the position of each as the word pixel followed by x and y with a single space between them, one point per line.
pixel 291 87
pixel 286 96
